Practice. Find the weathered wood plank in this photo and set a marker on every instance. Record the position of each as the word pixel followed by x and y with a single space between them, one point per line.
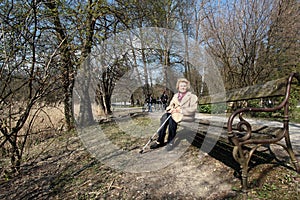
pixel 269 89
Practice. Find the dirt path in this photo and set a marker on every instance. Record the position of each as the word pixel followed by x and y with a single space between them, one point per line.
pixel 193 176
pixel 183 173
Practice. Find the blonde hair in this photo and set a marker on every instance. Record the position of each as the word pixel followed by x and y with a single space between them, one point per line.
pixel 188 84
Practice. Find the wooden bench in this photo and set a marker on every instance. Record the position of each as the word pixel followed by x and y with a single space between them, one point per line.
pixel 246 138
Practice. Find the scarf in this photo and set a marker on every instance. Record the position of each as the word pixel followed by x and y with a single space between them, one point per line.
pixel 180 96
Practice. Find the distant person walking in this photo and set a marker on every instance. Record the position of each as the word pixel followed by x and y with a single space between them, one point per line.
pixel 149 101
pixel 164 99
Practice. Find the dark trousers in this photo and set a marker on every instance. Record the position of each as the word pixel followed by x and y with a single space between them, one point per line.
pixel 172 129
pixel 164 105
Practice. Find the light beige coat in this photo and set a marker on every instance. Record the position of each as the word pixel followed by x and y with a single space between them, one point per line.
pixel 188 105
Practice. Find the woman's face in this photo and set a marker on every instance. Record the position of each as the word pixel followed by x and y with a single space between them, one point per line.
pixel 182 87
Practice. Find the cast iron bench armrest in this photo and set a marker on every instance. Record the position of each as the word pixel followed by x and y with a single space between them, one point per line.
pixel 248 138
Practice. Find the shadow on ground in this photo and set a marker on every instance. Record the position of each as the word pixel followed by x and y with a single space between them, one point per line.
pixel 222 151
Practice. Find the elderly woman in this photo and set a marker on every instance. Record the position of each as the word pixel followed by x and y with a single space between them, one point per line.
pixel 182 107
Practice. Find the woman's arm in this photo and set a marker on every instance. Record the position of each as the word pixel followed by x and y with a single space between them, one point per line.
pixel 192 107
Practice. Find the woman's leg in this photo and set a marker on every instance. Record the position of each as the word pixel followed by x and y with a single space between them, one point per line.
pixel 162 131
pixel 172 130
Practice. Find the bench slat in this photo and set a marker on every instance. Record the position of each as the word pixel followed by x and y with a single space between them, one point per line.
pixel 269 89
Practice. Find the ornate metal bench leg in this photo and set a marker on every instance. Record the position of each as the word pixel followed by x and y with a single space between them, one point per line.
pixel 245 179
pixel 242 159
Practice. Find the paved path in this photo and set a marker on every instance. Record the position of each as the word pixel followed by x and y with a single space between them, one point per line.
pixel 294 128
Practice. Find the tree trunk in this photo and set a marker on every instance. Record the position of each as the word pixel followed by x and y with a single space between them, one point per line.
pixel 107 98
pixel 85 111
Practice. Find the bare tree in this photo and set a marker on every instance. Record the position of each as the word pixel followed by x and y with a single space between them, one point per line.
pixel 27 76
pixel 281 49
pixel 234 32
pixel 89 26
pixel 67 66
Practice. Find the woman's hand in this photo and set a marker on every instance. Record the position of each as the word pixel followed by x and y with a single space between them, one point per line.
pixel 175 110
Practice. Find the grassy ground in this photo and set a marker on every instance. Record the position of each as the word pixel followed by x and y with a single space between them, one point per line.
pixel 296 115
